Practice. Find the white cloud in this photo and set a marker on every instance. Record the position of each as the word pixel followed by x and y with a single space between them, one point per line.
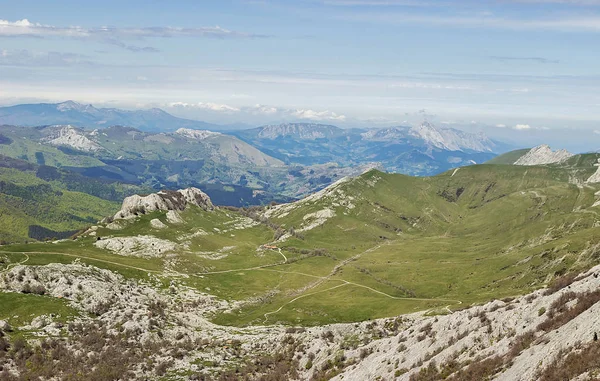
pixel 206 106
pixel 589 23
pixel 263 110
pixel 597 132
pixel 520 127
pixel 24 57
pixel 380 3
pixel 306 114
pixel 317 115
pixel 115 36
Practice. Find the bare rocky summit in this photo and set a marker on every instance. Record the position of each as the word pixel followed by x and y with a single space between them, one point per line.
pixel 164 200
pixel 196 134
pixel 543 154
pixel 72 137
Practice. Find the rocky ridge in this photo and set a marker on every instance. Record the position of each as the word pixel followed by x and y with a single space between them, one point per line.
pixel 543 154
pixel 196 134
pixel 72 137
pixel 164 200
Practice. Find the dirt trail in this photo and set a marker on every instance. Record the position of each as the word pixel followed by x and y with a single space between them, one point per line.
pixel 334 271
pixel 320 279
pixel 81 257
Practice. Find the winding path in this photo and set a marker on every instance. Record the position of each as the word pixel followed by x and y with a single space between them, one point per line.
pixel 319 279
pixel 78 256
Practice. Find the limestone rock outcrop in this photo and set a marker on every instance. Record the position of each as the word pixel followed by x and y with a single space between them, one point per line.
pixel 164 200
pixel 543 154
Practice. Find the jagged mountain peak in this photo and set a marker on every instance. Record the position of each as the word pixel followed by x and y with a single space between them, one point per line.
pixel 452 139
pixel 543 154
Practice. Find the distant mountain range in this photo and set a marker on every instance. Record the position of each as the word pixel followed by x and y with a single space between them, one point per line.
pixel 81 115
pixel 420 150
pixel 232 171
pixel 154 149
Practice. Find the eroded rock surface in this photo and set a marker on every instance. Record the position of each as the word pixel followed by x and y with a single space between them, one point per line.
pixel 164 200
pixel 145 246
pixel 543 154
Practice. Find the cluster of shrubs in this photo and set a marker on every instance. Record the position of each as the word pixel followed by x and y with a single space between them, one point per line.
pixel 569 364
pixel 559 313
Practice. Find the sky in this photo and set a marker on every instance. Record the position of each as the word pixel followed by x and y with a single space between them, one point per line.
pixel 519 69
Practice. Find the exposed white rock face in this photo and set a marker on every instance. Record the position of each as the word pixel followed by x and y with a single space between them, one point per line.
pixel 196 134
pixel 72 137
pixel 157 224
pixel 543 154
pixel 4 326
pixel 315 219
pixel 595 178
pixel 173 217
pixel 163 200
pixel 332 191
pixel 145 246
pixel 451 139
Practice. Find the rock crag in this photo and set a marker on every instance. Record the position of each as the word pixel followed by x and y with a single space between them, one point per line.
pixel 136 205
pixel 543 154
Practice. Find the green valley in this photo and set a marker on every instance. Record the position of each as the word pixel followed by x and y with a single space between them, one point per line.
pixel 389 243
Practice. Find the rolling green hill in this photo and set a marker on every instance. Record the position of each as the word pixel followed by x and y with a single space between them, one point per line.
pixel 372 246
pixel 230 170
pixel 43 202
pixel 508 157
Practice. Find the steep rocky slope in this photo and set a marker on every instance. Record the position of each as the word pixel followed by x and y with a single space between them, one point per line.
pixel 543 154
pixel 521 338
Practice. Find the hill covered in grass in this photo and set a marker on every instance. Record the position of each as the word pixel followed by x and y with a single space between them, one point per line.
pixel 232 171
pixel 43 202
pixel 367 247
pixel 477 272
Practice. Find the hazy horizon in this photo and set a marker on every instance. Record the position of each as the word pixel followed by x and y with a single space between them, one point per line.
pixel 520 70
